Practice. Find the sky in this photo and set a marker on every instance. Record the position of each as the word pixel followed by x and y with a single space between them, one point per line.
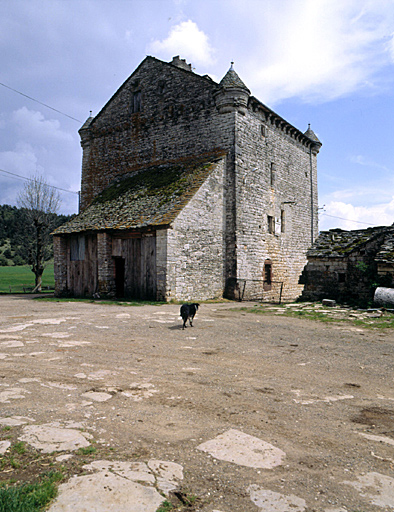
pixel 329 63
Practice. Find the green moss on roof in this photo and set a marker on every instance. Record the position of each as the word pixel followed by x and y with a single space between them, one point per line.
pixel 153 196
pixel 163 181
pixel 338 243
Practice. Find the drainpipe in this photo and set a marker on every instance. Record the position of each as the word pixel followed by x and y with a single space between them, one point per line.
pixel 312 204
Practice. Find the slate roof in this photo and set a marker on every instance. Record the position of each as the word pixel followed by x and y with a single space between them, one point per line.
pixel 312 135
pixel 338 243
pixel 151 197
pixel 386 251
pixel 231 79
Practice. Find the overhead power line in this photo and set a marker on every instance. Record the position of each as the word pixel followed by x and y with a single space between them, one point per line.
pixel 18 176
pixel 349 220
pixel 40 102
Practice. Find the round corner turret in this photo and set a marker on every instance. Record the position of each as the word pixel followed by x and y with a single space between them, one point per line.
pixel 233 95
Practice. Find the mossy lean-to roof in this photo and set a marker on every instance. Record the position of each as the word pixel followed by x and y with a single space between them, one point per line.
pixel 338 243
pixel 153 196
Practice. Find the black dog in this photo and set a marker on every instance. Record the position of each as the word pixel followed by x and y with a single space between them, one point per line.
pixel 187 312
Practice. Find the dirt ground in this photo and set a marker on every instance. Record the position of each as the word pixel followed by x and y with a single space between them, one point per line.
pixel 139 387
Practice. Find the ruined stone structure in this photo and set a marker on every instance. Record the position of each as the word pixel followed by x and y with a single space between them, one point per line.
pixel 348 266
pixel 191 189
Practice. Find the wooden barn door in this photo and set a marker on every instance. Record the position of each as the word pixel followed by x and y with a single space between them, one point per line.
pixel 139 255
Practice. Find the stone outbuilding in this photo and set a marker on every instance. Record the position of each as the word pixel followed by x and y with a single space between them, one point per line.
pixel 191 190
pixel 348 266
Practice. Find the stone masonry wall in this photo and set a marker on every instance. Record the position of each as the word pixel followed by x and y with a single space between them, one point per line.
pixel 178 119
pixel 161 264
pixel 285 196
pixel 321 278
pixel 196 244
pixel 350 278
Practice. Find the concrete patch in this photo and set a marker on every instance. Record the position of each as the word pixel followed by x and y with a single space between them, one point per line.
pixel 50 321
pixel 99 374
pixel 168 474
pixel 377 487
pixel 16 328
pixel 12 394
pixel 270 501
pixel 135 471
pixel 65 344
pixel 64 457
pixel 244 450
pixel 58 335
pixel 102 491
pixel 326 399
pixel 14 421
pixel 58 385
pixel 139 391
pixel 115 486
pixel 97 396
pixel 4 445
pixel 378 439
pixel 48 438
pixel 12 344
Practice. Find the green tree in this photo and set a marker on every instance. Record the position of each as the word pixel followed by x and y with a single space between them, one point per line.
pixel 40 203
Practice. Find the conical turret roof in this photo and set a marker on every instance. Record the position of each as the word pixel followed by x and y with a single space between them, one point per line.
pixel 87 122
pixel 312 135
pixel 231 79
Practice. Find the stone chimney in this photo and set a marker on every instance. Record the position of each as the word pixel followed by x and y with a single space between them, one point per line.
pixel 181 63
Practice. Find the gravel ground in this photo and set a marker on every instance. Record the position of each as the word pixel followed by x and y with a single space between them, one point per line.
pixel 138 387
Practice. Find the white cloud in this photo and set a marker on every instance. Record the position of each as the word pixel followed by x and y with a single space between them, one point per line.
pixel 32 144
pixel 33 123
pixel 185 39
pixel 366 162
pixel 320 49
pixel 342 215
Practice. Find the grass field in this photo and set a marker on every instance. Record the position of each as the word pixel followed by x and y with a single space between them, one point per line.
pixel 21 279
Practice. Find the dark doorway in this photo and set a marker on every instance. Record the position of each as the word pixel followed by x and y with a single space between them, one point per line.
pixel 119 277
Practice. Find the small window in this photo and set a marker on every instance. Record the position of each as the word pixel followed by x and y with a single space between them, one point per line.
pixel 272 174
pixel 77 248
pixel 271 224
pixel 136 102
pixel 282 221
pixel 341 277
pixel 263 130
pixel 267 275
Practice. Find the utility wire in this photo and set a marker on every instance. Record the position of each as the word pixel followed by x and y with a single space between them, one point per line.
pixel 349 220
pixel 18 176
pixel 40 102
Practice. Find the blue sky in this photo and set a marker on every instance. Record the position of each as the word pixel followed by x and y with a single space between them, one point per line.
pixel 325 62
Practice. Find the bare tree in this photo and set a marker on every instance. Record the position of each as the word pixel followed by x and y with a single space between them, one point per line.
pixel 40 203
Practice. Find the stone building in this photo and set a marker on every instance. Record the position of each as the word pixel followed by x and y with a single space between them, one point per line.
pixel 191 190
pixel 349 265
